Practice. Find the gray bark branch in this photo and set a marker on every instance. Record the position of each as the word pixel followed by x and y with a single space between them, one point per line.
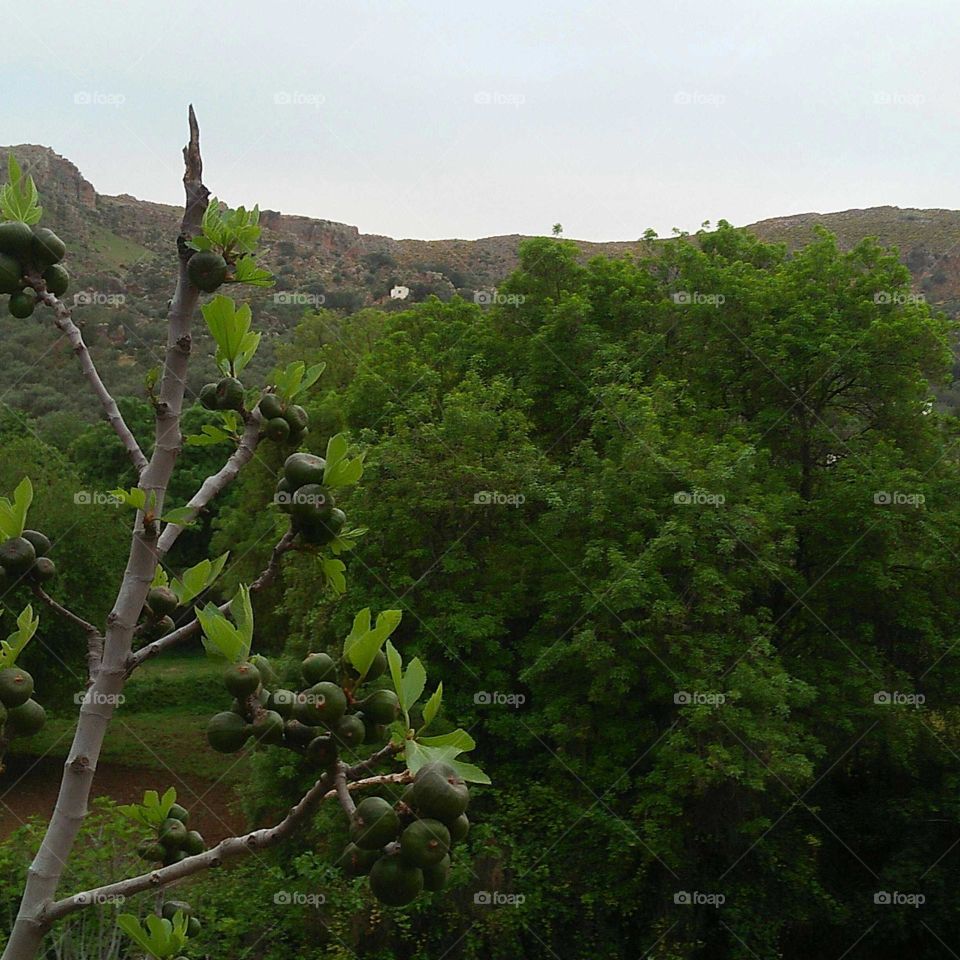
pixel 44 873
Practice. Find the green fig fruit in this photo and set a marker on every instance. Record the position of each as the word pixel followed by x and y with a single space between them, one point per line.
pixel 439 794
pixel 208 396
pixel 17 556
pixel 459 828
pixel 349 731
pixel 381 706
pixel 241 680
pixel 302 468
pixel 41 543
pixel 296 417
pixel 43 569
pixel 11 274
pixel 193 844
pixel 226 732
pixel 22 304
pixel 162 601
pixel 57 279
pixel 25 720
pixel 16 239
pixel 16 686
pixel 270 406
pixel 207 270
pixel 268 728
pixel 318 668
pixel 277 430
pixel 355 862
pixel 172 833
pixel 47 247
pixel 395 883
pixel 374 823
pixel 229 394
pixel 424 843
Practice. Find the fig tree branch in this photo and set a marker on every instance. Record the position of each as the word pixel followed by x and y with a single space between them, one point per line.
pixel 342 792
pixel 225 850
pixel 192 628
pixel 94 636
pixel 217 482
pixel 383 778
pixel 64 322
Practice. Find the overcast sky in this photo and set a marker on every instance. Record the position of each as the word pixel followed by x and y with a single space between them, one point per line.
pixel 467 119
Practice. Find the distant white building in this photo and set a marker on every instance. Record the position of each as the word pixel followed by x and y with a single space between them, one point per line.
pixel 399 293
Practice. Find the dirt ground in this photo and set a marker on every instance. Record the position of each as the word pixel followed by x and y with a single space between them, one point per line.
pixel 29 786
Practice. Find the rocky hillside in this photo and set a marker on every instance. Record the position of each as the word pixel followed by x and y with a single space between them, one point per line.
pixel 121 248
pixel 121 245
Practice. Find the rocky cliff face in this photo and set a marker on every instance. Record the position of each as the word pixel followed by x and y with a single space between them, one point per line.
pixel 125 243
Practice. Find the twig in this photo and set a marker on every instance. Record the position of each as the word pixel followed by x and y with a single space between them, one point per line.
pixel 403 777
pixel 215 483
pixel 94 636
pixel 84 625
pixel 64 322
pixel 270 572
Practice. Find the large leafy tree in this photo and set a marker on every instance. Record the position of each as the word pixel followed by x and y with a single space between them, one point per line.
pixel 737 536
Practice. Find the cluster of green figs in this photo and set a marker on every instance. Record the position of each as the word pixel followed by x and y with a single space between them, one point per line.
pixel 173 841
pixel 314 720
pixel 404 847
pixel 25 557
pixel 20 714
pixel 27 254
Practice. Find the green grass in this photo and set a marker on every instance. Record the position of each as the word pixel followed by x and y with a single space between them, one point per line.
pixel 114 250
pixel 160 726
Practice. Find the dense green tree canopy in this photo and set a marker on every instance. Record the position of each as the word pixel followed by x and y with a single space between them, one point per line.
pixel 720 525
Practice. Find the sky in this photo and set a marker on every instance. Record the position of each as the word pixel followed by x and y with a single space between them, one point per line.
pixel 454 119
